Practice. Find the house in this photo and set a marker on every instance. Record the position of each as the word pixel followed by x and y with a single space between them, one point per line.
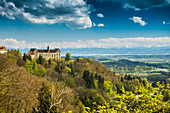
pixel 3 50
pixel 46 53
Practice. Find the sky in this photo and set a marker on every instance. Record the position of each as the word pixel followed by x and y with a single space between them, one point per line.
pixel 84 23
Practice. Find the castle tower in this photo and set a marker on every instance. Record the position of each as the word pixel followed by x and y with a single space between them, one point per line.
pixel 48 48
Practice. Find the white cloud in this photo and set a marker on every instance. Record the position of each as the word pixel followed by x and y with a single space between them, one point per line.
pixel 138 20
pixel 74 13
pixel 101 43
pixel 100 15
pixel 165 22
pixel 94 24
pixel 100 25
pixel 127 5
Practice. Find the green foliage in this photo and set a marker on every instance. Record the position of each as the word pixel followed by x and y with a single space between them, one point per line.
pixel 70 82
pixel 80 59
pixel 41 72
pixel 89 79
pixel 72 69
pixel 31 67
pixel 107 86
pixel 25 57
pixel 50 61
pixel 100 81
pixel 68 57
pixel 68 69
pixel 41 60
pixel 12 57
pixel 59 67
pixel 45 100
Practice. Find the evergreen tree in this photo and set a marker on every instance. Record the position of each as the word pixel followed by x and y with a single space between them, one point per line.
pixel 72 69
pixel 122 79
pixel 35 66
pixel 29 57
pixel 68 57
pixel 25 57
pixel 45 100
pixel 58 67
pixel 18 52
pixel 49 61
pixel 100 81
pixel 41 60
pixel 89 79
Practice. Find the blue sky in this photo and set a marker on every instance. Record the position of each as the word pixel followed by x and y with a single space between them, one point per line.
pixel 81 24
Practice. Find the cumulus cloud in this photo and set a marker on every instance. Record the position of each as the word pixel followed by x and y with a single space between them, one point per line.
pixel 100 25
pixel 74 13
pixel 138 20
pixel 140 4
pixel 101 43
pixel 100 15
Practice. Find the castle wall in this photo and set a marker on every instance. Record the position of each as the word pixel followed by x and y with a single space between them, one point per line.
pixel 48 55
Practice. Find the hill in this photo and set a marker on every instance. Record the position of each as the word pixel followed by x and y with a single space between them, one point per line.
pixel 82 85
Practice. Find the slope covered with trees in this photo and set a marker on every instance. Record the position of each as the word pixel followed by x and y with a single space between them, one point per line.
pixel 82 85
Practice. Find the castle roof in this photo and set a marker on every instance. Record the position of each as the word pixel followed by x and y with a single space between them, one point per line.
pixel 3 48
pixel 44 50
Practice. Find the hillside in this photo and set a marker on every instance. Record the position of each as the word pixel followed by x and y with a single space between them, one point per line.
pixel 20 90
pixel 81 85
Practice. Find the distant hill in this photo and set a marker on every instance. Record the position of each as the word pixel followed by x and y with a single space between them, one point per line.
pixel 107 51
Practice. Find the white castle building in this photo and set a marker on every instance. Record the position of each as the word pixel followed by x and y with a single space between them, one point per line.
pixel 46 53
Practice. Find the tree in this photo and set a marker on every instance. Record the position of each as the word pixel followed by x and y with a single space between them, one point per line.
pixel 35 66
pixel 29 57
pixel 44 99
pixel 25 57
pixel 18 52
pixel 49 61
pixel 100 81
pixel 58 67
pixel 54 99
pixel 29 66
pixel 41 60
pixel 89 79
pixel 68 57
pixel 41 72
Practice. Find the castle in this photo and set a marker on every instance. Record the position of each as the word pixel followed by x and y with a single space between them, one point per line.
pixel 46 53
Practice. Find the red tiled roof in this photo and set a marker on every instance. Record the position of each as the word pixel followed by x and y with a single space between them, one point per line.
pixel 31 53
pixel 3 48
pixel 44 50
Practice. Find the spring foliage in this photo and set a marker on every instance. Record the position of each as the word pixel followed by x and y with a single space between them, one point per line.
pixel 82 85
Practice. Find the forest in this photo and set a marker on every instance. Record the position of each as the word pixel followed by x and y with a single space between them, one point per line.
pixel 75 86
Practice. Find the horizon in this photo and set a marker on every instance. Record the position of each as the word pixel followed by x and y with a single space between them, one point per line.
pixel 109 51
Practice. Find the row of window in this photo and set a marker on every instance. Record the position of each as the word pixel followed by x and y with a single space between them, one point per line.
pixel 49 54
